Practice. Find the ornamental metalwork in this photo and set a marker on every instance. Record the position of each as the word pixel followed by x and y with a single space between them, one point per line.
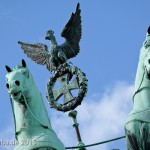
pixel 56 61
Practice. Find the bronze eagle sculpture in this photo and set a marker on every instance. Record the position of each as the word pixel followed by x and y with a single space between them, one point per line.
pixel 58 54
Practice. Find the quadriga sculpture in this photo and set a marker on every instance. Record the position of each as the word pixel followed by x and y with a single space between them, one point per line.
pixel 138 122
pixel 33 129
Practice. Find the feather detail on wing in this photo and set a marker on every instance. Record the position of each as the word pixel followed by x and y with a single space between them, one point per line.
pixel 72 33
pixel 37 52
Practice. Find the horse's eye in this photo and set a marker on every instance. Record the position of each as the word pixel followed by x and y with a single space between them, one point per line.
pixel 7 85
pixel 26 74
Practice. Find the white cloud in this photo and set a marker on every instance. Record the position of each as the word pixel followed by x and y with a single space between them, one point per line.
pixel 101 117
pixel 7 137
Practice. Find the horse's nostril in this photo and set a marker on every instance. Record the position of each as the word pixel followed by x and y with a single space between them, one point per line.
pixel 17 82
pixel 7 85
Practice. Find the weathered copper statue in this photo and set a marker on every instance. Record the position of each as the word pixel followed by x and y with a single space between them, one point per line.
pixel 138 122
pixel 58 54
pixel 32 122
pixel 33 129
pixel 56 62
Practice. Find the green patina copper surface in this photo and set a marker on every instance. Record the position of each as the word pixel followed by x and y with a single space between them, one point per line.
pixel 32 124
pixel 138 122
pixel 58 54
pixel 64 74
pixel 55 60
pixel 73 115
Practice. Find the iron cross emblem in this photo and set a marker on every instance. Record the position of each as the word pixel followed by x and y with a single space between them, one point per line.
pixel 65 89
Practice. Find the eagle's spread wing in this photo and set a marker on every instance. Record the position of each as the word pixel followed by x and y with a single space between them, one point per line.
pixel 37 52
pixel 72 33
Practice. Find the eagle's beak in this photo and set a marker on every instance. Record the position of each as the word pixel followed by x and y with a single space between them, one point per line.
pixel 47 38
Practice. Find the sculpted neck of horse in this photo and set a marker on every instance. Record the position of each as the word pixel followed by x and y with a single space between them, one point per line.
pixel 137 125
pixel 142 83
pixel 33 127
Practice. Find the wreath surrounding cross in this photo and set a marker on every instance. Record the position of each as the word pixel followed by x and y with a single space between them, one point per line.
pixel 64 74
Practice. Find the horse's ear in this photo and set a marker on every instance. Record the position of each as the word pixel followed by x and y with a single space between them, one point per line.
pixel 8 68
pixel 148 30
pixel 24 63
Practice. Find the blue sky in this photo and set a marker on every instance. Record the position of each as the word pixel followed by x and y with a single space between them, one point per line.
pixel 113 32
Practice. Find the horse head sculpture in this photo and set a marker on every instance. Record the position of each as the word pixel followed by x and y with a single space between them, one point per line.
pixel 138 122
pixel 32 125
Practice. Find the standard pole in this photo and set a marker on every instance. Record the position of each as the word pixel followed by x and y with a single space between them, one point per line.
pixel 73 115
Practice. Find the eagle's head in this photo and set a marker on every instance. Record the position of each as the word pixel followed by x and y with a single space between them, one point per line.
pixel 49 34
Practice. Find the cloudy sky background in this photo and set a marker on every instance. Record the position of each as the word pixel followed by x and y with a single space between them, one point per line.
pixel 113 32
